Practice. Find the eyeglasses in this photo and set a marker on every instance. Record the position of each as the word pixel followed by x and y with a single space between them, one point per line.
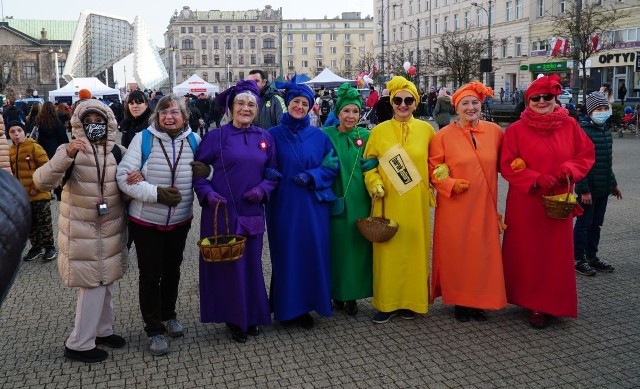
pixel 537 98
pixel 173 112
pixel 243 104
pixel 407 100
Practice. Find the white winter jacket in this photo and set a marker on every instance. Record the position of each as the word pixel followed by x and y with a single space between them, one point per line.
pixel 157 173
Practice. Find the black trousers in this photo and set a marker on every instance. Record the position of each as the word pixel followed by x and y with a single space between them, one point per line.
pixel 159 260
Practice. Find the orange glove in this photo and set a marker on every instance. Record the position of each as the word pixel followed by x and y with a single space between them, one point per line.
pixel 518 165
pixel 460 186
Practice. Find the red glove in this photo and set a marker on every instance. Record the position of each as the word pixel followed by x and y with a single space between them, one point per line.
pixel 564 173
pixel 460 186
pixel 546 181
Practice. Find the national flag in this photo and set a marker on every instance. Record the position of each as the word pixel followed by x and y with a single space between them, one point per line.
pixel 596 43
pixel 556 46
pixel 567 47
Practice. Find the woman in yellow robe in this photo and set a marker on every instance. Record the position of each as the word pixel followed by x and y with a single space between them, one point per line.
pixel 401 265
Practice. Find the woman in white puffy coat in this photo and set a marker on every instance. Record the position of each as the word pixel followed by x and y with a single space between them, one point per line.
pixel 92 233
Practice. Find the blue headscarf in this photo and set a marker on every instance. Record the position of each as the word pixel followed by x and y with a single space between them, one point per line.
pixel 293 90
pixel 225 99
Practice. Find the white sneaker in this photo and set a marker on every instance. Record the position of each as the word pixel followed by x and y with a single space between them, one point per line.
pixel 174 328
pixel 158 345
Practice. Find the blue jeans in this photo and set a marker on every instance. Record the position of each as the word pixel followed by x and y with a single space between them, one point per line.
pixel 586 232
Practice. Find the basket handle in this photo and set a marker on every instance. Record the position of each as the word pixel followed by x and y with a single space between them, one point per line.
pixel 373 203
pixel 568 188
pixel 215 220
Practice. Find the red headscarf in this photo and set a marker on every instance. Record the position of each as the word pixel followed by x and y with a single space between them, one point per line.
pixel 544 85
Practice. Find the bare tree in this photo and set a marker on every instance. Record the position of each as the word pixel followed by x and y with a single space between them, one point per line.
pixel 9 68
pixel 459 55
pixel 595 19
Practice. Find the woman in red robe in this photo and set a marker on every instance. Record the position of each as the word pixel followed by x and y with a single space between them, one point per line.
pixel 539 152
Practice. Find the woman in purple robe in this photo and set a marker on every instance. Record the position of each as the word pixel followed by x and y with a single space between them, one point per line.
pixel 298 214
pixel 239 152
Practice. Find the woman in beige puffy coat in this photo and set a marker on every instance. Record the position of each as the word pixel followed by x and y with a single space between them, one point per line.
pixel 92 233
pixel 4 148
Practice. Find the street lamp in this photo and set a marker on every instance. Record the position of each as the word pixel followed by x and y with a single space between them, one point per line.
pixel 489 53
pixel 417 51
pixel 173 49
pixel 55 54
pixel 384 9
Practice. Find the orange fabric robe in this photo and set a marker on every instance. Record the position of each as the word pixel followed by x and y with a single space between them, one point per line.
pixel 467 258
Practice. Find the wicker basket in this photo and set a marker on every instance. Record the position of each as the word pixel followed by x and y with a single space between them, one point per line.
pixel 222 248
pixel 559 207
pixel 376 229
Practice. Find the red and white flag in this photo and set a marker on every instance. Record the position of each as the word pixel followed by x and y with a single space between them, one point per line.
pixel 556 45
pixel 374 69
pixel 596 43
pixel 567 47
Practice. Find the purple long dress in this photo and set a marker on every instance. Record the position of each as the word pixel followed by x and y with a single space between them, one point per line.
pixel 234 292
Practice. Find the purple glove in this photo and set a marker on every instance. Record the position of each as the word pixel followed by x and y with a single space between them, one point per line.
pixel 214 198
pixel 272 174
pixel 546 181
pixel 254 195
pixel 302 179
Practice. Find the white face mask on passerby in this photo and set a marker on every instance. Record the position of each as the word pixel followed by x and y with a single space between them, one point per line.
pixel 600 117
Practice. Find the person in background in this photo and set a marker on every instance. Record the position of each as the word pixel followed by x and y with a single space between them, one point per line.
pixel 30 122
pixel 26 156
pixel 622 92
pixel 502 93
pixel 594 190
pixel 383 109
pixel 463 166
pixel 64 115
pixel 92 230
pixel 51 131
pixel 203 104
pixel 136 116
pixel 155 98
pixel 325 106
pixel 401 265
pixel 234 292
pixel 216 111
pixel 351 268
pixel 272 105
pixel 5 163
pixel 540 153
pixel 443 110
pixel 432 100
pixel 15 224
pixel 298 213
pixel 372 100
pixel 160 213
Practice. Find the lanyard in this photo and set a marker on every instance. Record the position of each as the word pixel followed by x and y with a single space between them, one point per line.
pixel 172 167
pixel 101 177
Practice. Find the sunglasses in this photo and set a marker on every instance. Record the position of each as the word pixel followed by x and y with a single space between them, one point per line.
pixel 537 98
pixel 407 100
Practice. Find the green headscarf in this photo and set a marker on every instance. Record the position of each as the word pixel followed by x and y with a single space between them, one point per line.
pixel 347 95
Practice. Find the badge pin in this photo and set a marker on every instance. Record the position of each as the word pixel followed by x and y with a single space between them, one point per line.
pixel 359 142
pixel 263 145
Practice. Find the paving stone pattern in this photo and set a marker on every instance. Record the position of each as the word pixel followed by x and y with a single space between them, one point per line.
pixel 601 349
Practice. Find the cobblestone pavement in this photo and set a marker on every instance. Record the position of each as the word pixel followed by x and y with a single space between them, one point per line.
pixel 601 349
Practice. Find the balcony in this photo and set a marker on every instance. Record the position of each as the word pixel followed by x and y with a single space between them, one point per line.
pixel 347 42
pixel 290 44
pixel 319 43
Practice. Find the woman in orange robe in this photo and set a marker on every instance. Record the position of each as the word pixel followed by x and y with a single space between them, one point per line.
pixel 463 166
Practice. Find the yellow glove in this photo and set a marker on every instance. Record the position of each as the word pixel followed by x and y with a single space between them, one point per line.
pixel 441 172
pixel 460 186
pixel 378 191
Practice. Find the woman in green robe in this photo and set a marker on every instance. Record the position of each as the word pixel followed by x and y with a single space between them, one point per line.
pixel 351 253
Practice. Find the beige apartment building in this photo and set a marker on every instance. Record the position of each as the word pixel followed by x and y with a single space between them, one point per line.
pixel 520 33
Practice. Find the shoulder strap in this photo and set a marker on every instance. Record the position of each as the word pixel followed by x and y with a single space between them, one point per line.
pixel 117 154
pixel 145 148
pixel 193 142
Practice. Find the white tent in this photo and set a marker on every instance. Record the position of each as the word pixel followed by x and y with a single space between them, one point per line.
pixel 329 79
pixel 195 85
pixel 97 88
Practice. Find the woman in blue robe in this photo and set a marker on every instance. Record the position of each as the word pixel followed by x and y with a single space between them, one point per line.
pixel 298 213
pixel 239 152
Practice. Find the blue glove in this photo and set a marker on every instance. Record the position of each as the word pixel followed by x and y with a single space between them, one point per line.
pixel 367 164
pixel 303 179
pixel 330 160
pixel 272 174
pixel 254 195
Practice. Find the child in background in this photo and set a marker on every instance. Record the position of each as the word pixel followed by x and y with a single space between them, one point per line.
pixel 26 155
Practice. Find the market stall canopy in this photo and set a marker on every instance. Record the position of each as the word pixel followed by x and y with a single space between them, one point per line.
pixel 329 79
pixel 195 85
pixel 69 92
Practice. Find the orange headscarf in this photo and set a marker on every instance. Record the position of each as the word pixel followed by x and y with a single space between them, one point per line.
pixel 476 89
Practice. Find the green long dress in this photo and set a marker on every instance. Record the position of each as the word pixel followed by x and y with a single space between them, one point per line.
pixel 350 253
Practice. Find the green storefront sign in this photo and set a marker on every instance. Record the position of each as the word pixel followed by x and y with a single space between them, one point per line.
pixel 548 67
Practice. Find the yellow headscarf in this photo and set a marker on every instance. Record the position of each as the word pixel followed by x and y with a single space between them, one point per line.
pixel 398 83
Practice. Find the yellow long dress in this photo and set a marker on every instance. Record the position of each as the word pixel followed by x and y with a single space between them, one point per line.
pixel 401 265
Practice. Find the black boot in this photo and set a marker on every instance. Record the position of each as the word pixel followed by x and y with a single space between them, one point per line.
pixel 462 313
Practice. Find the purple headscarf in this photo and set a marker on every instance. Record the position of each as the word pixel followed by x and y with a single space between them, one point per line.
pixel 225 99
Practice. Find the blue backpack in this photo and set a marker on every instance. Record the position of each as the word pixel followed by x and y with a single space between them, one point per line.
pixel 147 142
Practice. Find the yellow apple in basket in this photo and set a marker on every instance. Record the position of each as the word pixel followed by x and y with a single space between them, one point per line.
pixel 205 242
pixel 392 223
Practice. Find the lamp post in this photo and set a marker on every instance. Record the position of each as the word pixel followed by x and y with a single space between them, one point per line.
pixel 417 51
pixel 173 49
pixel 55 56
pixel 384 9
pixel 489 46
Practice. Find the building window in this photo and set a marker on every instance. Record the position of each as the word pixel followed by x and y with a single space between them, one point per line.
pixel 229 62
pixel 503 48
pixel 290 64
pixel 190 29
pixel 466 19
pixel 28 70
pixel 187 59
pixel 304 37
pixel 216 60
pixel 318 63
pixel 187 44
pixel 240 29
pixel 436 26
pixel 241 61
pixel 215 29
pixel 227 44
pixel 334 63
pixel 304 51
pixel 205 76
pixel 455 22
pixel 252 28
pixel 540 8
pixel 333 50
pixel 183 30
pixel 216 45
pixel 265 28
pixel 446 23
pixel 241 44
pixel 227 29
pixel 203 44
pixel 319 50
pixel 518 9
pixel 253 59
pixel 204 60
pixel 332 37
pixel 217 76
pixel 318 37
pixel 268 43
pixel 518 47
pixel 203 29
pixel 289 37
pixel 509 11
pixel 305 64
pixel 361 37
pixel 479 17
pixel 269 59
pixel 347 63
pixel 252 44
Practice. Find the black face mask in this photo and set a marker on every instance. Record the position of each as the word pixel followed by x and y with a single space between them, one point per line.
pixel 95 131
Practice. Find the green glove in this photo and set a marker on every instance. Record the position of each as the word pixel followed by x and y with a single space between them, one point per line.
pixel 169 196
pixel 367 164
pixel 330 160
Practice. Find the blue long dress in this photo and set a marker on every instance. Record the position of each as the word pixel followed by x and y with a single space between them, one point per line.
pixel 234 292
pixel 298 222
